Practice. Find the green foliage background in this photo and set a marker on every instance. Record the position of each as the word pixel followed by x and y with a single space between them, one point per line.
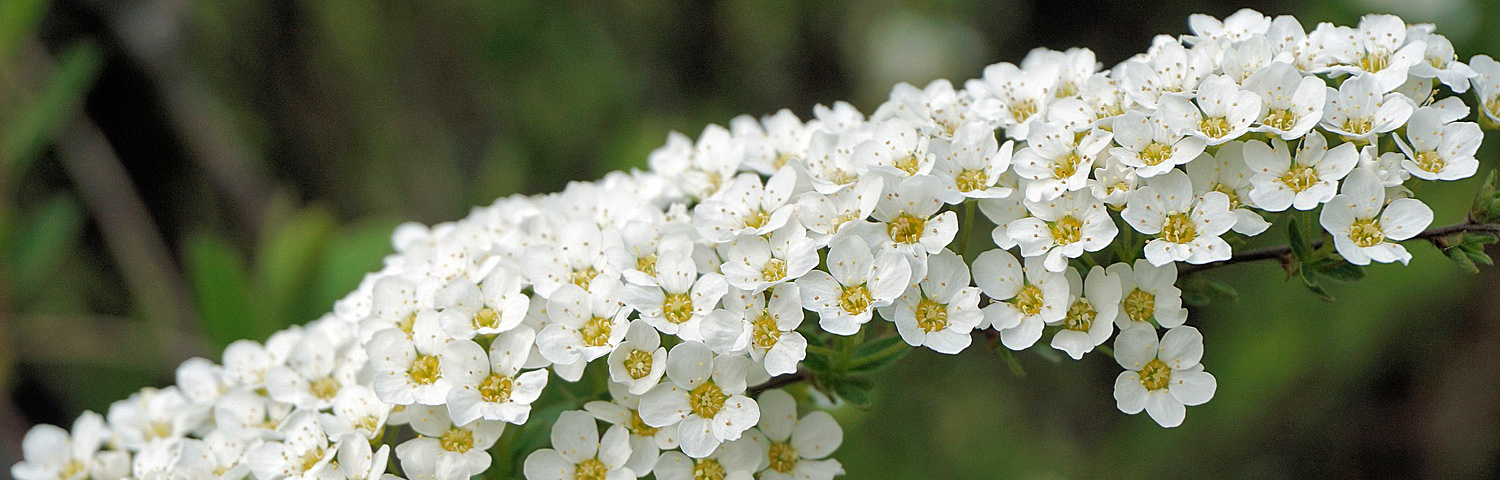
pixel 175 175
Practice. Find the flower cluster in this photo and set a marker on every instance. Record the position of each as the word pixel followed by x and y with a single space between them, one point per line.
pixel 746 254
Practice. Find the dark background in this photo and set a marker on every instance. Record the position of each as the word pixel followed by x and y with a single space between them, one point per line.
pixel 178 174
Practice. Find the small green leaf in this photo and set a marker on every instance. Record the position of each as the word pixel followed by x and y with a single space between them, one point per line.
pixel 1310 280
pixel 879 354
pixel 44 242
pixel 1340 270
pixel 855 390
pixel 222 289
pixel 30 128
pixel 285 264
pixel 1300 248
pixel 1464 261
pixel 1012 362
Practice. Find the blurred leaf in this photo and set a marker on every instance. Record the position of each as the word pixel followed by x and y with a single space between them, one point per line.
pixel 35 124
pixel 879 354
pixel 855 390
pixel 1294 234
pixel 222 289
pixel 18 18
pixel 1486 203
pixel 1338 269
pixel 44 242
pixel 1310 279
pixel 1012 362
pixel 349 257
pixel 285 265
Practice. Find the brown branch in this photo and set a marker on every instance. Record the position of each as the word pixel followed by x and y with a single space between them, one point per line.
pixel 778 382
pixel 1284 254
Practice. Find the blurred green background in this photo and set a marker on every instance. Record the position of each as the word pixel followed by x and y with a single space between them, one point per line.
pixel 177 174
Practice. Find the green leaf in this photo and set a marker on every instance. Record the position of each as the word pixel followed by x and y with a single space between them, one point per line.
pixel 31 128
pixel 18 18
pixel 1464 261
pixel 286 263
pixel 222 290
pixel 44 242
pixel 348 258
pixel 1340 270
pixel 1300 248
pixel 1309 279
pixel 855 390
pixel 1486 202
pixel 879 354
pixel 1012 362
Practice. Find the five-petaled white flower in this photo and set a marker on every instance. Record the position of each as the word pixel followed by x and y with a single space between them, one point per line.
pixel 1149 293
pixel 763 327
pixel 796 448
pixel 489 384
pixel 1153 145
pixel 578 452
pixel 704 400
pixel 1063 228
pixel 856 282
pixel 1025 299
pixel 939 311
pixel 1439 150
pixel 1187 227
pixel 1304 183
pixel 1161 377
pixel 1091 316
pixel 1362 231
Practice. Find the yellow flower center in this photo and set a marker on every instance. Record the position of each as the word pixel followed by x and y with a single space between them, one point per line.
pixel 909 164
pixel 325 388
pixel 774 270
pixel 1155 153
pixel 1216 127
pixel 1366 232
pixel 1358 126
pixel 1029 300
pixel 311 458
pixel 591 469
pixel 425 370
pixel 1080 316
pixel 678 308
pixel 1140 305
pixel 708 469
pixel 406 324
pixel 906 228
pixel 638 364
pixel 783 457
pixel 1066 230
pixel 757 219
pixel 582 277
pixel 1280 119
pixel 71 469
pixel 1430 161
pixel 971 180
pixel 1178 228
pixel 457 440
pixel 1156 375
pixel 707 399
pixel 487 318
pixel 1374 62
pixel 646 264
pixel 1300 177
pixel 1234 197
pixel 496 388
pixel 931 315
pixel 1023 110
pixel 639 427
pixel 764 332
pixel 596 332
pixel 855 300
pixel 1066 166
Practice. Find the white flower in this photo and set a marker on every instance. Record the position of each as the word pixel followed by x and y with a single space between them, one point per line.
pixel 52 453
pixel 1152 144
pixel 681 301
pixel 395 302
pixel 971 163
pixel 641 243
pixel 1362 231
pixel 1224 112
pixel 575 256
pixel 248 416
pixel 1091 316
pixel 1150 294
pixel 439 443
pixel 1063 228
pixel 736 460
pixel 1114 183
pixel 793 448
pixel 578 452
pixel 773 141
pixel 154 416
pixel 356 409
pixel 585 325
pixel 1075 67
pixel 1161 377
pixel 939 311
pixel 897 148
pixel 1439 60
pixel 705 399
pixel 1359 109
pixel 856 282
pixel 700 168
pixel 409 369
pixel 490 385
pixel 1225 172
pixel 1025 299
pixel 1307 182
pixel 1487 86
pixel 1014 99
pixel 937 109
pixel 830 159
pixel 826 215
pixel 493 306
pixel 356 460
pixel 765 328
pixel 1439 150
pixel 1386 166
pixel 1056 160
pixel 908 222
pixel 1167 69
pixel 1242 25
pixel 1378 49
pixel 1002 211
pixel 746 207
pixel 1187 227
pixel 303 451
pixel 319 367
pixel 756 263
pixel 640 361
pixel 646 442
pixel 1291 104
